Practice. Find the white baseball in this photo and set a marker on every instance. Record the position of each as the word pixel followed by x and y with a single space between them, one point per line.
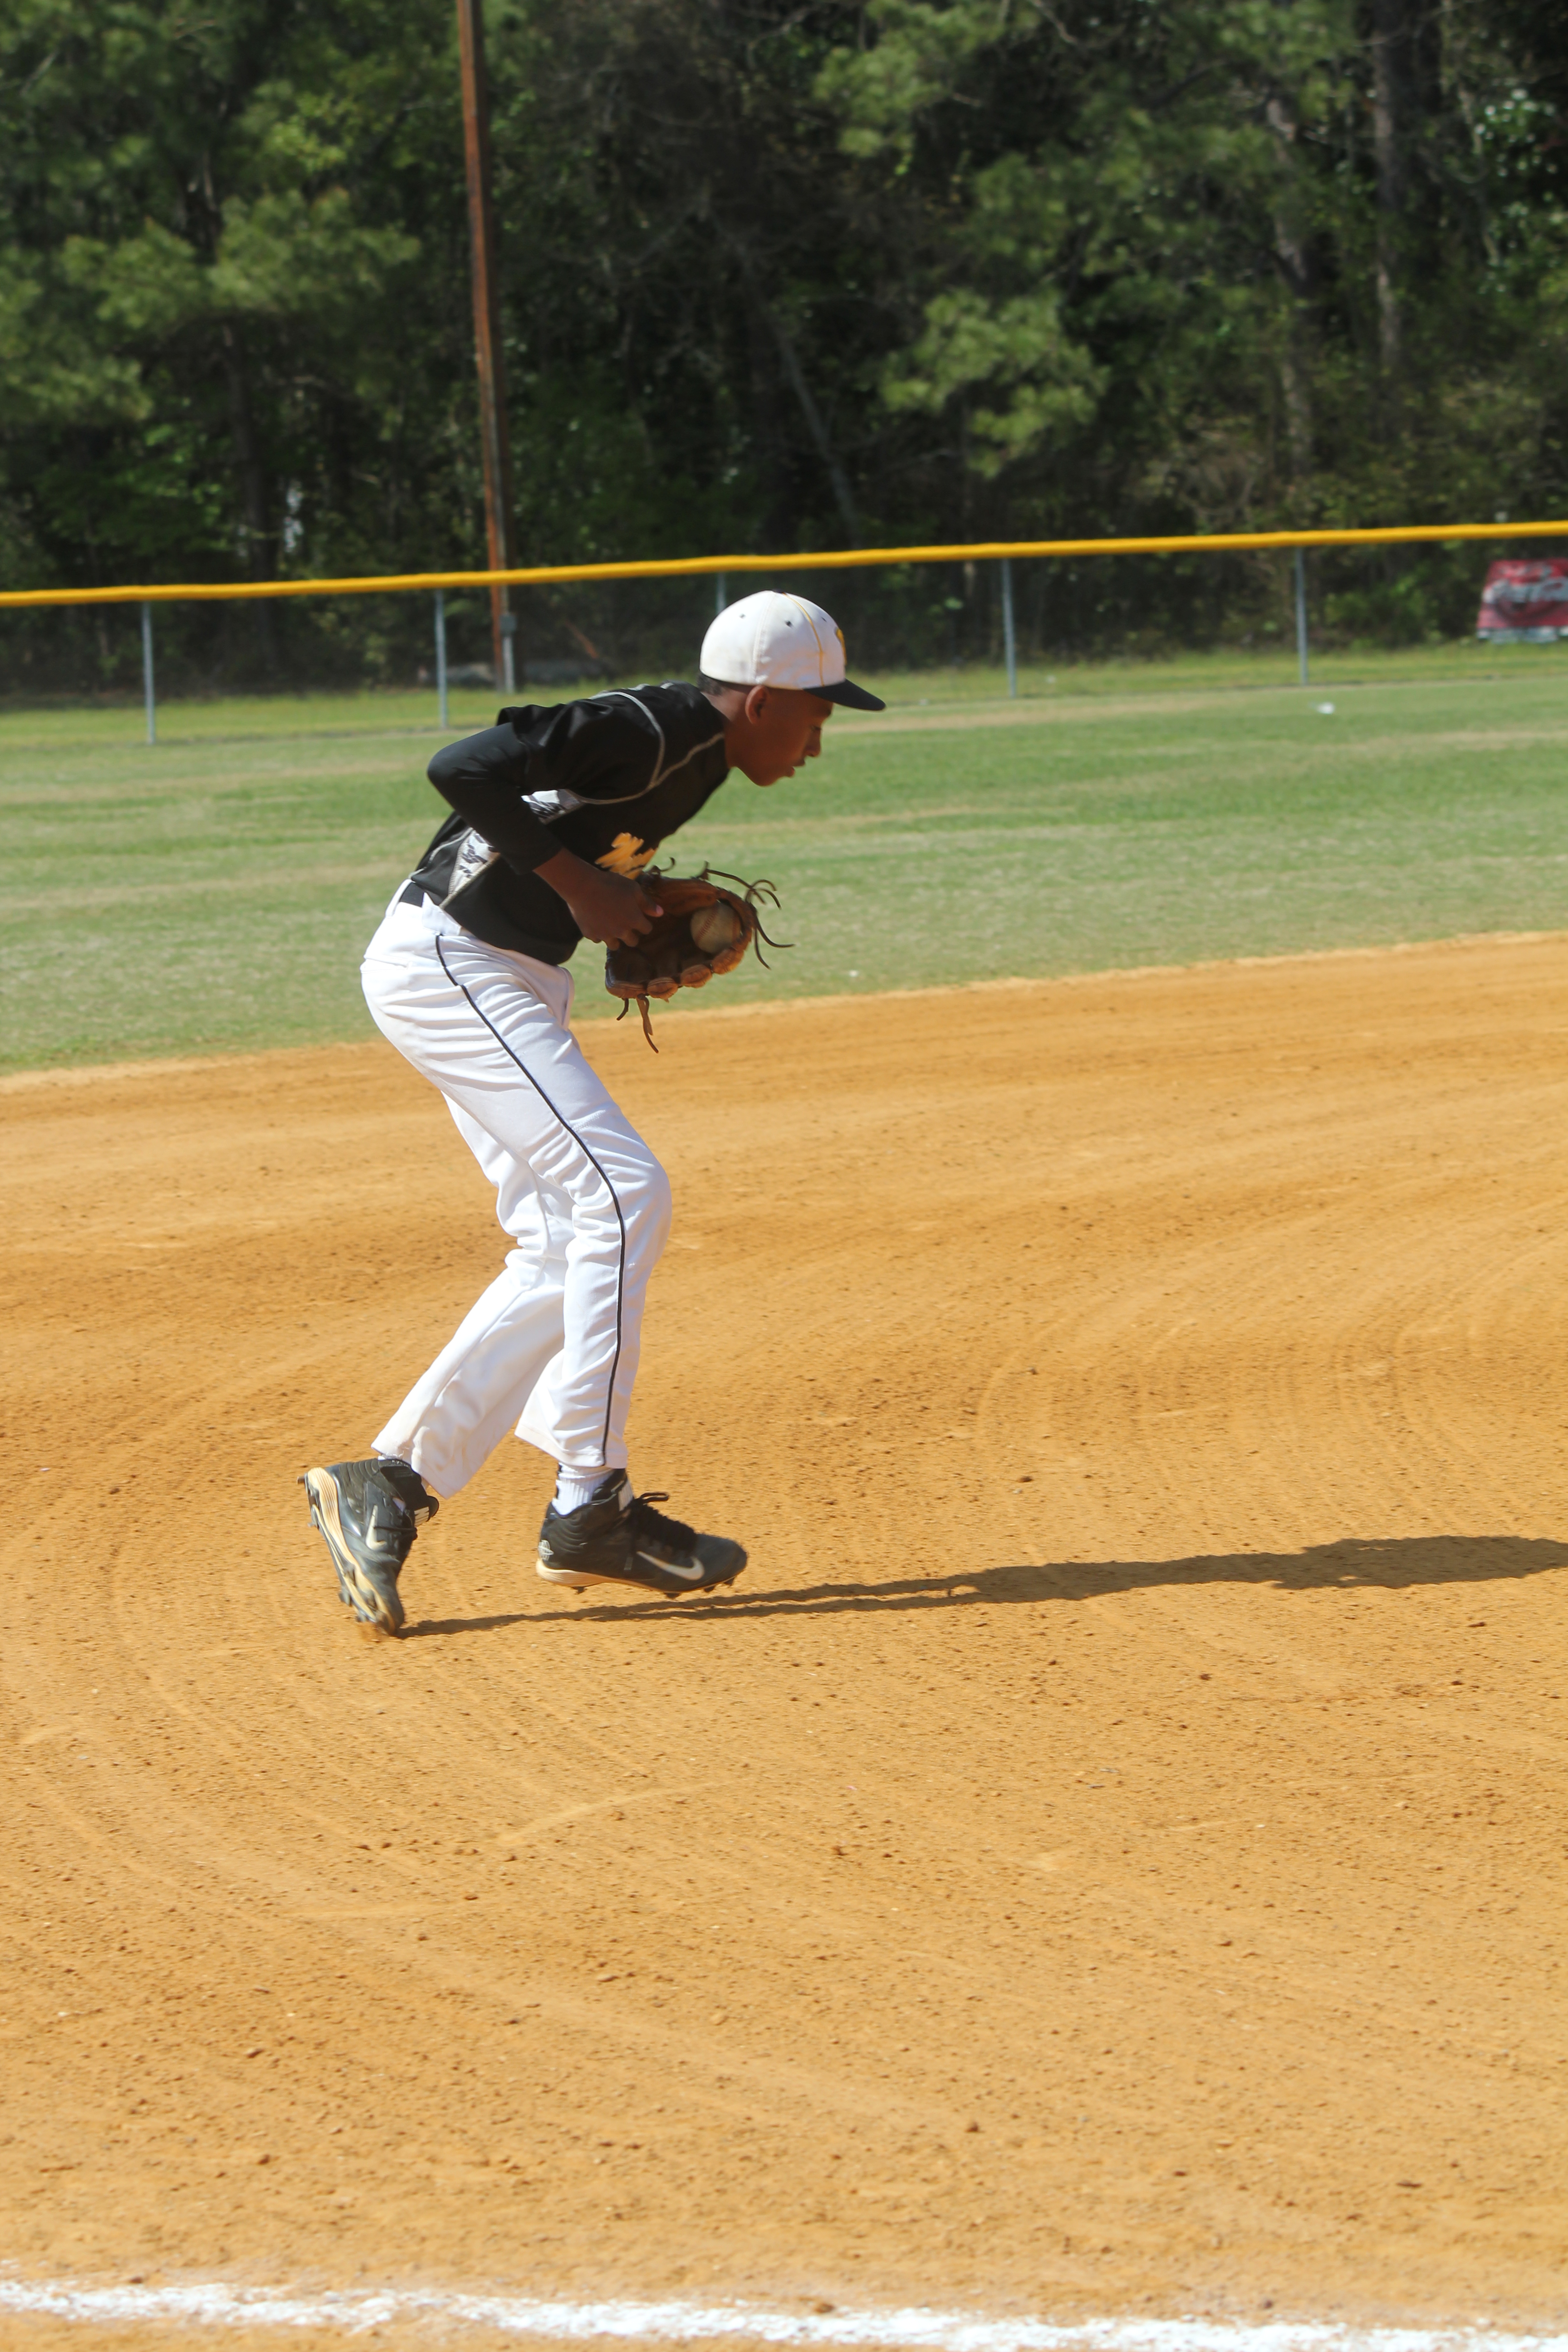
pixel 713 928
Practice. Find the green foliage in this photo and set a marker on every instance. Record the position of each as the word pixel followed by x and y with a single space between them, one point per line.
pixel 1041 383
pixel 200 300
pixel 774 275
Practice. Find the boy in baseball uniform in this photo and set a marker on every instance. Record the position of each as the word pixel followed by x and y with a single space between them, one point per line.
pixel 556 815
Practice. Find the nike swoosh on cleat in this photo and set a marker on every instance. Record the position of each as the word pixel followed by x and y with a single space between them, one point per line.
pixel 355 1588
pixel 671 1566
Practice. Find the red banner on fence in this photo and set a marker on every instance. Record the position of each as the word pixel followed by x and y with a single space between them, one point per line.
pixel 1525 601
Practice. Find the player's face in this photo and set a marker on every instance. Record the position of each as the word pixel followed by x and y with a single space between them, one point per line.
pixel 778 727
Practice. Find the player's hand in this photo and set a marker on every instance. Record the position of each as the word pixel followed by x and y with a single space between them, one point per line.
pixel 608 908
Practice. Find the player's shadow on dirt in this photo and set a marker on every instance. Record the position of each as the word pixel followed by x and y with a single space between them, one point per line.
pixel 1387 1563
pixel 1390 1563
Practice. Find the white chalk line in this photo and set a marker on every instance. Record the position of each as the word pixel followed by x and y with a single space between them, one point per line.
pixel 210 2304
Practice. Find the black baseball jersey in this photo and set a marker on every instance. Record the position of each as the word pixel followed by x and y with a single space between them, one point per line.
pixel 608 778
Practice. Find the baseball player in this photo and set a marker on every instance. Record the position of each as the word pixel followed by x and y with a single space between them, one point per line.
pixel 556 815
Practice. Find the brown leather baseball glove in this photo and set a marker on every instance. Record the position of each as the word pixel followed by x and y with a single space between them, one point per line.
pixel 703 931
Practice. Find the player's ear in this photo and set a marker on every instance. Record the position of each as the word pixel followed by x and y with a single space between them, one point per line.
pixel 756 704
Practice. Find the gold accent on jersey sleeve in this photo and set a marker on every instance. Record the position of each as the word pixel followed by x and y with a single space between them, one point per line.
pixel 625 855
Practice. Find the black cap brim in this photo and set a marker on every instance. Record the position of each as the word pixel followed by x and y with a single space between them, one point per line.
pixel 852 697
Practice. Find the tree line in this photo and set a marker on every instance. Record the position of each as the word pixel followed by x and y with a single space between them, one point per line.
pixel 774 276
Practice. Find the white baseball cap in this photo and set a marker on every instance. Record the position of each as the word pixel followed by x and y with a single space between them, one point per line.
pixel 774 639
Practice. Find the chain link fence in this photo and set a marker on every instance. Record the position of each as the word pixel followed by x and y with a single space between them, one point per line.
pixel 955 612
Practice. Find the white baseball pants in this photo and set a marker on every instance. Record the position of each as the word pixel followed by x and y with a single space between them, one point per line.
pixel 551 1349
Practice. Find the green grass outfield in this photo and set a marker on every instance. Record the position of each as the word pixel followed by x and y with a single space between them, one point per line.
pixel 213 892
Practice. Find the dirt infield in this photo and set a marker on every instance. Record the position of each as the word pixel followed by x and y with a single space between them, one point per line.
pixel 1107 1855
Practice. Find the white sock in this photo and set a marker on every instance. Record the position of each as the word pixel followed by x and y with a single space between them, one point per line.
pixel 575 1487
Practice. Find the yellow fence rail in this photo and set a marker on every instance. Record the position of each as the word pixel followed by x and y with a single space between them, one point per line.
pixel 836 560
pixel 542 575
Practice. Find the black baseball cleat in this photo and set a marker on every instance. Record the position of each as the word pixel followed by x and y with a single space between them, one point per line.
pixel 618 1537
pixel 369 1513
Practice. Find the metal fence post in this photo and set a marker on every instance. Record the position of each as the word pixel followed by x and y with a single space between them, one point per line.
pixel 441 658
pixel 509 653
pixel 1301 611
pixel 1009 637
pixel 147 673
pixel 720 593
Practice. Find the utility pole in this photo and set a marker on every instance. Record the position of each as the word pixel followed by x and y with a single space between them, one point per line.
pixel 494 436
